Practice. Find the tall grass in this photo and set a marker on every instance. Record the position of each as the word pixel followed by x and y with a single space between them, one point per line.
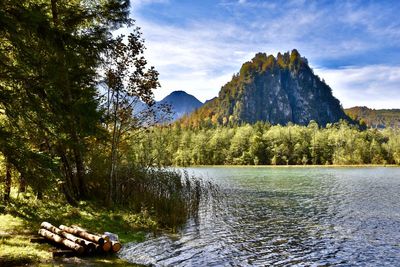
pixel 168 196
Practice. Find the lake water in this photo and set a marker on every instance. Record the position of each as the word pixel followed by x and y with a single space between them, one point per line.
pixel 287 217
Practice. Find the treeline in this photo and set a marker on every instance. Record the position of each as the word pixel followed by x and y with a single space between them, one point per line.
pixel 263 144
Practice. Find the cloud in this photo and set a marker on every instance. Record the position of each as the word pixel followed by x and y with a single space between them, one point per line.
pixel 197 48
pixel 375 86
pixel 197 58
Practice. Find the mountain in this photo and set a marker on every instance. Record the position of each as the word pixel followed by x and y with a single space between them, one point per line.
pixel 277 89
pixel 181 103
pixel 375 118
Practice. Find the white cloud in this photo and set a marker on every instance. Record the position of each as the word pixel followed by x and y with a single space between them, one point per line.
pixel 197 59
pixel 375 86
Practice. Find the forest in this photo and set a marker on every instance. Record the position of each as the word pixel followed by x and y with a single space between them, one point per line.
pixel 264 144
pixel 68 88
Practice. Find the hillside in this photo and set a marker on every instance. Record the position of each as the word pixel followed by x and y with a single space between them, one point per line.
pixel 277 89
pixel 375 118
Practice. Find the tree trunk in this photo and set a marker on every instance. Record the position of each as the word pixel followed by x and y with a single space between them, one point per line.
pixel 54 12
pixel 80 172
pixel 113 158
pixel 68 186
pixel 7 189
pixel 22 184
pixel 77 179
pixel 39 194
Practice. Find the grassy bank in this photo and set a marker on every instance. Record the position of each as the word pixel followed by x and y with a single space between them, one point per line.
pixel 21 218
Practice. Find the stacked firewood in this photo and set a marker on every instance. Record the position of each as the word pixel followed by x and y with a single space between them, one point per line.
pixel 78 239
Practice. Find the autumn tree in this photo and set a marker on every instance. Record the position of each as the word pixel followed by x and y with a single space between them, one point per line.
pixel 129 86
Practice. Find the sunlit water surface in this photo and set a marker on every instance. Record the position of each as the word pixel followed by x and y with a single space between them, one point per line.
pixel 287 217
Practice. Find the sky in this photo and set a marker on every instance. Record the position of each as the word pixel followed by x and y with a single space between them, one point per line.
pixel 198 45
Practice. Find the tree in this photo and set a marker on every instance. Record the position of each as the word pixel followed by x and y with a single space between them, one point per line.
pixel 49 55
pixel 127 82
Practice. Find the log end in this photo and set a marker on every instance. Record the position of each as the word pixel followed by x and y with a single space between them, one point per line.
pixel 107 246
pixel 80 250
pixel 116 246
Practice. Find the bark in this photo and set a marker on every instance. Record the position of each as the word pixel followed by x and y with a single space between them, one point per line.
pixel 83 234
pixel 54 12
pixel 58 239
pixel 68 186
pixel 82 189
pixel 39 194
pixel 87 244
pixel 22 184
pixel 7 189
pixel 113 158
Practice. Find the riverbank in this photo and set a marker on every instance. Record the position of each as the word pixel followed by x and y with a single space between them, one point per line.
pixel 21 218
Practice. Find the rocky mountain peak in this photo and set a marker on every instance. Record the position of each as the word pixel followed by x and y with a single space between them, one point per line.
pixel 278 90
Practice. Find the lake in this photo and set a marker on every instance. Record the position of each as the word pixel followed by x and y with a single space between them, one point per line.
pixel 287 216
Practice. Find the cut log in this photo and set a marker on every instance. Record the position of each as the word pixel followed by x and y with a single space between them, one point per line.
pixel 116 246
pixel 58 239
pixel 99 248
pixel 107 246
pixel 51 228
pixel 79 228
pixel 83 234
pixel 106 238
pixel 89 246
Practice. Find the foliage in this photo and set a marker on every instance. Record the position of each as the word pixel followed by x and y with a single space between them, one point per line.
pixel 63 135
pixel 372 118
pixel 49 55
pixel 127 82
pixel 261 143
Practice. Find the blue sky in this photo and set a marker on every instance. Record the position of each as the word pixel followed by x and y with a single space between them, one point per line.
pixel 197 45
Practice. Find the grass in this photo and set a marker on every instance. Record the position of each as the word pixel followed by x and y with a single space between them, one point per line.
pixel 15 248
pixel 21 219
pixel 159 199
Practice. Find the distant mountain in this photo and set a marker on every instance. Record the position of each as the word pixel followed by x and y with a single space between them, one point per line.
pixel 375 118
pixel 181 103
pixel 278 90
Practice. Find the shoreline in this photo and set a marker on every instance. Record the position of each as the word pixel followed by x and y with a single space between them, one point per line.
pixel 293 166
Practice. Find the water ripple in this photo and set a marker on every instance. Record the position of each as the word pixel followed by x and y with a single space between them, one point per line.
pixel 287 217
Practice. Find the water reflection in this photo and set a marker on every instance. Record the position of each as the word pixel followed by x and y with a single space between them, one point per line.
pixel 279 216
